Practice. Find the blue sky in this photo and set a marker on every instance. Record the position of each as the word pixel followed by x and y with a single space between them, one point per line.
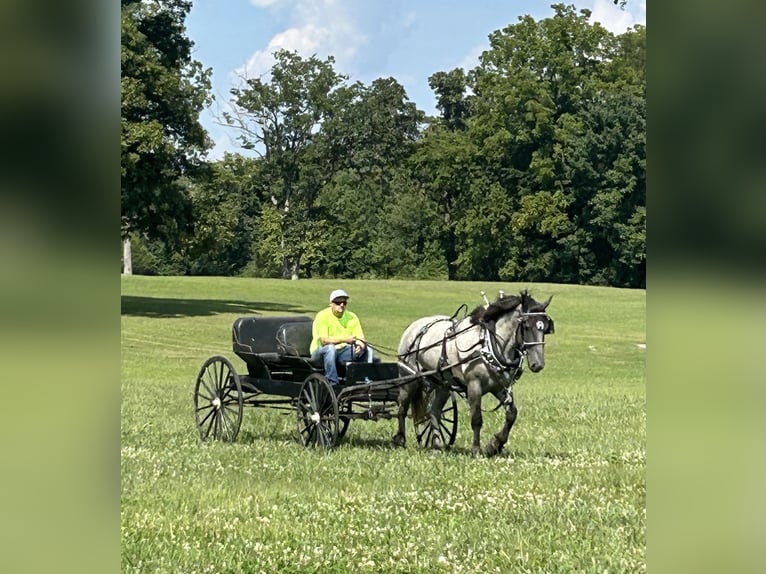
pixel 406 39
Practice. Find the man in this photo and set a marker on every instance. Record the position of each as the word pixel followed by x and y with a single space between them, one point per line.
pixel 337 337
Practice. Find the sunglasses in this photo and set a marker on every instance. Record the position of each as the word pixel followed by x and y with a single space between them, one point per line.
pixel 341 302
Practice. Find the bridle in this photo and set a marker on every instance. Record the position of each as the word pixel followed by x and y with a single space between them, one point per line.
pixel 522 322
pixel 491 343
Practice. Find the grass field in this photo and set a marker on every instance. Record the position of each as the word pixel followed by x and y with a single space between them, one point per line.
pixel 567 494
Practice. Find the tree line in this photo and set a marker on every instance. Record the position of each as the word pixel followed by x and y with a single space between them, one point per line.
pixel 533 170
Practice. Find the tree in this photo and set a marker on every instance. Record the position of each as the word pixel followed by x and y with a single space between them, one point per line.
pixel 163 91
pixel 451 100
pixel 364 146
pixel 279 119
pixel 226 206
pixel 559 117
pixel 446 165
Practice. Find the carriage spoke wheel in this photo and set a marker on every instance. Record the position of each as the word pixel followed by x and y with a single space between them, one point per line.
pixel 317 408
pixel 424 431
pixel 218 400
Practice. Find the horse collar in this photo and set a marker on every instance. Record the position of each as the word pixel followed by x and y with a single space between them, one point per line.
pixel 489 352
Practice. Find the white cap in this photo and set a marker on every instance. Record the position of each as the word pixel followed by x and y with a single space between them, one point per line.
pixel 338 293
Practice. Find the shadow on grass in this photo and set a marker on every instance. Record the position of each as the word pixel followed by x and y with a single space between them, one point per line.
pixel 163 308
pixel 352 442
pixel 378 444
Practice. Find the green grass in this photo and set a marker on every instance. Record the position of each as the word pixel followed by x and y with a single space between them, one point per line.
pixel 567 494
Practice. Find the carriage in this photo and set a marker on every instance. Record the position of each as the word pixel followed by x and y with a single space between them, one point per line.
pixel 439 359
pixel 281 375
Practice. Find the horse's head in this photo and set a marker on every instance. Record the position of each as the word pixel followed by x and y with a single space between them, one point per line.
pixel 522 315
pixel 533 324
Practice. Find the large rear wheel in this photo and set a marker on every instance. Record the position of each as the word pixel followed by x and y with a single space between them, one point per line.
pixel 317 408
pixel 218 400
pixel 424 431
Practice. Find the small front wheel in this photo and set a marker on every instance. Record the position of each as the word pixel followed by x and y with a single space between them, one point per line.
pixel 218 400
pixel 317 407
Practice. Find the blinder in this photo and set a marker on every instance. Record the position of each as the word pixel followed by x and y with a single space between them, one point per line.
pixel 549 330
pixel 540 321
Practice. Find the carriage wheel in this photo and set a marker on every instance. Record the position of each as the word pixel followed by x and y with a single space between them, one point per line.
pixel 218 400
pixel 317 408
pixel 424 432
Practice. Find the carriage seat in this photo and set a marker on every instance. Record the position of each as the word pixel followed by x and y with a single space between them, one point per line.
pixel 274 340
pixel 281 341
pixel 258 335
pixel 294 339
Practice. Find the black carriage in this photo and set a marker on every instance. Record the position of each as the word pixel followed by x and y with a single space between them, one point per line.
pixel 281 375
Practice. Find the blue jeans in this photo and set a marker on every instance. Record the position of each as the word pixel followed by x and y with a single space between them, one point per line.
pixel 332 357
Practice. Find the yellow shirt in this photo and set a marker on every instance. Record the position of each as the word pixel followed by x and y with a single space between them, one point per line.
pixel 326 324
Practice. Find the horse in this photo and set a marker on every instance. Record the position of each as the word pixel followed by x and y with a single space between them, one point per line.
pixel 478 354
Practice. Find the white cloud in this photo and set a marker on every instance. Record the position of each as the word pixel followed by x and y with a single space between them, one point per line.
pixel 408 19
pixel 264 3
pixel 618 20
pixel 221 145
pixel 321 27
pixel 306 41
pixel 471 59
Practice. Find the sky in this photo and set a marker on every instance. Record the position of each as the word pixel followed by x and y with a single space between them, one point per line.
pixel 408 40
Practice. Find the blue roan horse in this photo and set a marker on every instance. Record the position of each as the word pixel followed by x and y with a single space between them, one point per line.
pixel 481 353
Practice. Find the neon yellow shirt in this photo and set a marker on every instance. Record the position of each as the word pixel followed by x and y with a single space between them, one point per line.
pixel 328 325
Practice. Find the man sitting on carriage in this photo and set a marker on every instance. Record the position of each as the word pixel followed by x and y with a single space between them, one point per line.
pixel 337 337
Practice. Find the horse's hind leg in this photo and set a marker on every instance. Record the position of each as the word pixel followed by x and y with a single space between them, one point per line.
pixel 497 442
pixel 441 394
pixel 405 397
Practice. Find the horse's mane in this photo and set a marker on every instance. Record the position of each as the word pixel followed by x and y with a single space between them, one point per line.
pixel 500 307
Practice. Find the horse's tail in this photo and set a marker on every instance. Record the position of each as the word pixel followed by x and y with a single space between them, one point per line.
pixel 414 391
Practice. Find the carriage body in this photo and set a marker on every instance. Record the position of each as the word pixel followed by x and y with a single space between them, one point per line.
pixel 280 374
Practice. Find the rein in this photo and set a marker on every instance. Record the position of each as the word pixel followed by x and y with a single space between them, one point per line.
pixel 450 333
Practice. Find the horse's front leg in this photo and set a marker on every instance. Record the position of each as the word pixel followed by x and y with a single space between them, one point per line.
pixel 497 442
pixel 473 394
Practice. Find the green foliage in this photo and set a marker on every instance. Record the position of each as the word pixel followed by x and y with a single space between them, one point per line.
pixel 226 206
pixel 278 118
pixel 450 89
pixel 155 257
pixel 163 91
pixel 568 494
pixel 482 233
pixel 445 165
pixel 560 118
pixel 534 171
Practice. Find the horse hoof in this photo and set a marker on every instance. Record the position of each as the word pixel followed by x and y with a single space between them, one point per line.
pixel 398 440
pixel 493 448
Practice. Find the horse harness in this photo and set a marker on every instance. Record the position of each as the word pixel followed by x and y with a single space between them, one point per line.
pixel 490 348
